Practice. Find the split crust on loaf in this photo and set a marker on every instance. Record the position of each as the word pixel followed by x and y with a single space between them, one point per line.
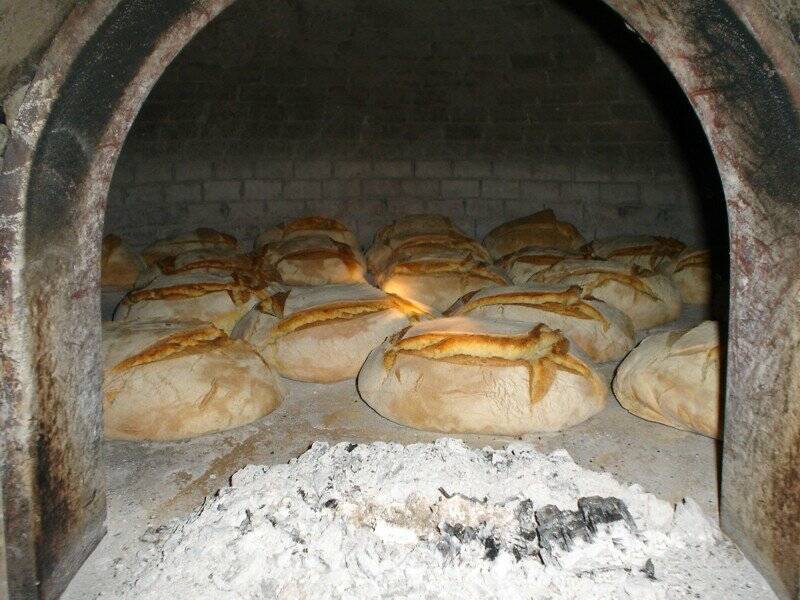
pixel 525 231
pixel 202 237
pixel 568 302
pixel 541 351
pixel 308 226
pixel 200 337
pixel 336 311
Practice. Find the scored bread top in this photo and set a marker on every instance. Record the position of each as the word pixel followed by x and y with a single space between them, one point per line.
pixel 308 226
pixel 701 339
pixel 692 258
pixel 535 255
pixel 127 345
pixel 222 259
pixel 541 224
pixel 380 254
pixel 481 342
pixel 603 271
pixel 417 224
pixel 634 245
pixel 193 284
pixel 427 265
pixel 201 237
pixel 560 299
pixel 299 308
pixel 312 247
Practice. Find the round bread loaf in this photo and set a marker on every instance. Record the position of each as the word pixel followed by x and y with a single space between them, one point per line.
pixel 539 229
pixel 405 248
pixel 691 273
pixel 120 266
pixel 323 334
pixel 652 252
pixel 312 260
pixel 601 331
pixel 169 381
pixel 674 378
pixel 220 260
pixel 438 281
pixel 649 299
pixel 211 297
pixel 308 226
pixel 524 263
pixel 468 375
pixel 199 239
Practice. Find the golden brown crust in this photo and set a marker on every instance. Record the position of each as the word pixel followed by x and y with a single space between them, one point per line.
pixel 404 248
pixel 434 266
pixel 239 262
pixel 201 337
pixel 416 225
pixel 238 290
pixel 627 276
pixel 212 236
pixel 313 223
pixel 544 219
pixel 568 302
pixel 542 350
pixel 695 258
pixel 535 256
pixel 339 311
pixel 203 236
pixel 656 247
pixel 342 252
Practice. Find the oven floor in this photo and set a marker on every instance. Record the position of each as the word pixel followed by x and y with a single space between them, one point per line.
pixel 149 483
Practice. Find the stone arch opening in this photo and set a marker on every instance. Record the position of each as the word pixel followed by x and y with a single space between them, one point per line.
pixel 56 175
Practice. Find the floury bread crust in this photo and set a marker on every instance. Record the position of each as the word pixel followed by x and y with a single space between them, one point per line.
pixel 323 334
pixel 120 266
pixel 691 273
pixel 649 299
pixel 523 264
pixel 199 239
pixel 539 229
pixel 438 281
pixel 467 375
pixel 674 378
pixel 308 226
pixel 217 298
pixel 651 252
pixel 411 233
pixel 406 247
pixel 601 331
pixel 169 381
pixel 220 260
pixel 312 260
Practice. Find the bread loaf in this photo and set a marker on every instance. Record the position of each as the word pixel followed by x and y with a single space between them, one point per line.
pixel 313 260
pixel 323 334
pixel 199 239
pixel 539 229
pixel 649 299
pixel 120 266
pixel 601 331
pixel 674 378
pixel 168 381
pixel 691 273
pixel 646 251
pixel 438 281
pixel 216 298
pixel 308 226
pixel 522 264
pixel 468 375
pixel 406 248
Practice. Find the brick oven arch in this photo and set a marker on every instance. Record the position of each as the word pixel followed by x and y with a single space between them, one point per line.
pixel 736 63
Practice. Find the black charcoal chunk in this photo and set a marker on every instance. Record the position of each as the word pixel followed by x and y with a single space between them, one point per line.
pixel 598 511
pixel 560 529
pixel 649 570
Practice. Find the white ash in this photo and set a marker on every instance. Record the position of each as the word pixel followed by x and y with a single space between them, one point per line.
pixel 429 521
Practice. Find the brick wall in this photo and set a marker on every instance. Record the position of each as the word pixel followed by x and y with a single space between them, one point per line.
pixel 482 111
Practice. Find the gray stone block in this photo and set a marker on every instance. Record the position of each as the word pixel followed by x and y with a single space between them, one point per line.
pixel 433 168
pixel 313 169
pixel 221 191
pixel 500 188
pixel 461 188
pixel 302 190
pixel 259 189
